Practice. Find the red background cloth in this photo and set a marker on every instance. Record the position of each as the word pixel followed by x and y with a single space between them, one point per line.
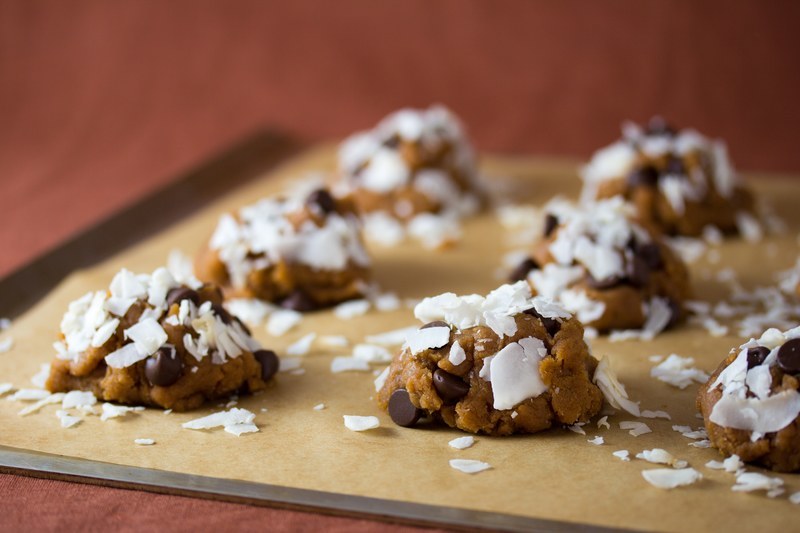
pixel 102 102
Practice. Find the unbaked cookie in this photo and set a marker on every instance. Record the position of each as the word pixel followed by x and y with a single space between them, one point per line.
pixel 612 272
pixel 501 364
pixel 751 404
pixel 149 340
pixel 679 181
pixel 414 164
pixel 303 252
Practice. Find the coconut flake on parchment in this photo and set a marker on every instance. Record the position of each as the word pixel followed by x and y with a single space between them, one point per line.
pixel 669 478
pixel 661 456
pixel 636 428
pixel 469 466
pixel 462 443
pixel 360 423
pixel 613 391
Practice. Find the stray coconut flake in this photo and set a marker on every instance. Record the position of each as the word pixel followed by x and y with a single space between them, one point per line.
pixel 469 466
pixel 40 378
pixel 144 442
pixel 462 443
pixel 47 400
pixel 351 309
pixel 597 441
pixel 319 407
pixel 613 391
pixel 66 419
pixel 623 455
pixel 115 411
pixel 661 456
pixel 334 341
pixel 301 346
pixel 289 364
pixel 668 478
pixel 349 364
pixel 282 320
pixel 381 379
pixel 360 423
pixel 678 371
pixel 603 423
pixel 391 338
pixel 636 428
pixel 5 388
pixel 428 338
pixel 234 418
pixel 753 481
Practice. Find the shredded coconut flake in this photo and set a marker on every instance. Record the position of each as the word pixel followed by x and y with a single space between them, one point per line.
pixel 597 441
pixel 462 443
pixel 144 442
pixel 668 478
pixel 360 423
pixel 234 418
pixel 753 481
pixel 636 428
pixel 613 391
pixel 678 371
pixel 301 346
pixel 283 320
pixel 351 309
pixel 349 364
pixel 623 455
pixel 469 466
pixel 661 456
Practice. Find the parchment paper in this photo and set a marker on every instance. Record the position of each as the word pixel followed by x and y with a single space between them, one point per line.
pixel 555 475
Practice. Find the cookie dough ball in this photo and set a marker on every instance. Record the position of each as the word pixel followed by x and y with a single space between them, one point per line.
pixel 413 162
pixel 304 252
pixel 679 181
pixel 507 363
pixel 751 404
pixel 149 340
pixel 612 272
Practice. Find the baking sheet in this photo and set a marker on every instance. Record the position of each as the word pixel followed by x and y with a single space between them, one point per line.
pixel 556 475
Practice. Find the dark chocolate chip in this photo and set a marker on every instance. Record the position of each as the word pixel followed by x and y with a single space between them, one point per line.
pixel 675 166
pixel 605 283
pixel 401 410
pixel 269 363
pixel 298 301
pixel 162 368
pixel 643 177
pixel 638 272
pixel 756 356
pixel 521 270
pixel 392 142
pixel 436 324
pixel 222 313
pixel 789 356
pixel 178 294
pixel 451 388
pixel 659 126
pixel 550 224
pixel 651 254
pixel 552 325
pixel 323 200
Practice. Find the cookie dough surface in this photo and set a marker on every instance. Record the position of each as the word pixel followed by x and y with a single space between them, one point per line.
pixel 304 252
pixel 508 363
pixel 613 273
pixel 751 404
pixel 680 181
pixel 152 341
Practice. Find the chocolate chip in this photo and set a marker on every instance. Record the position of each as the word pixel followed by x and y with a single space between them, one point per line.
pixel 605 283
pixel 552 325
pixel 659 126
pixel 392 142
pixel 756 356
pixel 322 199
pixel 638 272
pixel 644 177
pixel 401 410
pixel 651 254
pixel 521 271
pixel 269 363
pixel 178 294
pixel 451 388
pixel 550 224
pixel 675 166
pixel 222 313
pixel 298 301
pixel 162 369
pixel 789 356
pixel 436 324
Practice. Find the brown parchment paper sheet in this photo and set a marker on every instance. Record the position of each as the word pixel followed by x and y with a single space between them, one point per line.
pixel 553 475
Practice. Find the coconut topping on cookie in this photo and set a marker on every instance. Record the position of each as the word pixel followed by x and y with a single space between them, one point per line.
pixel 598 263
pixel 412 165
pixel 680 181
pixel 303 251
pixel 151 340
pixel 751 404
